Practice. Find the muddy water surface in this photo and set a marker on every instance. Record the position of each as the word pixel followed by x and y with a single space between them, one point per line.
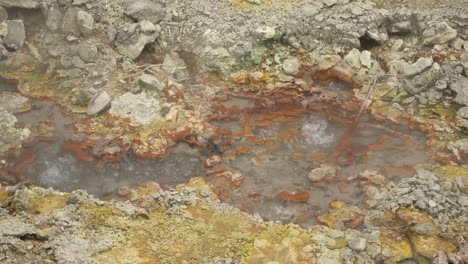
pixel 275 155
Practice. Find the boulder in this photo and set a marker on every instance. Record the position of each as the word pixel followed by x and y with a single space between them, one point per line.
pixel 145 10
pixel 85 22
pixel 15 35
pixel 438 34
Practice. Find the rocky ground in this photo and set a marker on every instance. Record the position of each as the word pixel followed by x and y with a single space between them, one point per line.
pixel 141 74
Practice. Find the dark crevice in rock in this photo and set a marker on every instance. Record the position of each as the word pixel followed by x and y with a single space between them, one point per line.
pixel 367 43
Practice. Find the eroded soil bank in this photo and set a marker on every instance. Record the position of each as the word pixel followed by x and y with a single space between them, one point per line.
pixel 328 131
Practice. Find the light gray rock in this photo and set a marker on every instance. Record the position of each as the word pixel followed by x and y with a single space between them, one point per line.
pixel 353 58
pixel 419 66
pixel 463 113
pixel 257 2
pixel 99 103
pixel 265 33
pixel 463 201
pixel 424 229
pixel 220 59
pixel 310 10
pixel 133 48
pixel 329 3
pixel 54 19
pixel 78 62
pixel 148 27
pixel 174 65
pixel 464 61
pixel 15 35
pixel 357 244
pixel 87 51
pixel 366 59
pixel 3 14
pixel 291 66
pixel 14 102
pixel 69 22
pixel 28 4
pixel 85 22
pixel 422 81
pixel 380 35
pixel 140 108
pixel 150 83
pixel 438 34
pixel 145 10
pixel 357 11
pixel 460 87
pixel 11 137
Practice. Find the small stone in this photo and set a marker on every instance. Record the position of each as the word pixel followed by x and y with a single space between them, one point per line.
pixel 146 26
pixel 149 82
pixel 463 201
pixel 85 22
pixel 357 244
pixel 257 2
pixel 87 51
pixel 356 10
pixel 140 108
pixel 291 66
pixel 398 45
pixel 77 62
pixel 69 22
pixel 438 34
pixel 419 66
pixel 15 35
pixel 458 43
pixel 145 10
pixel 265 33
pixel 329 3
pixel 366 59
pixel 99 103
pixel 54 19
pixel 353 58
pixel 310 10
pixel 432 203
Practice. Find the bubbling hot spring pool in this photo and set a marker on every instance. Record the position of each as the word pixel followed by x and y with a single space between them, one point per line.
pixel 276 161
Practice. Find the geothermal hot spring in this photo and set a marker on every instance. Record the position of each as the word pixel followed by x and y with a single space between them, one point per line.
pixel 271 152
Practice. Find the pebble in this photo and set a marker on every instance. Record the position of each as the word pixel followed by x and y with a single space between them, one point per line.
pixel 358 244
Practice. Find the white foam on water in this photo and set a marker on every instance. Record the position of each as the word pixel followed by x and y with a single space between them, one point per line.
pixel 316 133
